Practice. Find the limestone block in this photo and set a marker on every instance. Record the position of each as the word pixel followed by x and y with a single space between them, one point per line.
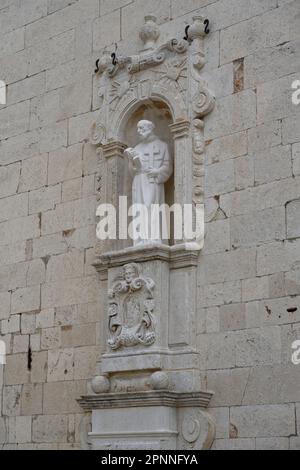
pixel 258 346
pixel 232 317
pixel 12 254
pixel 72 189
pixel 234 265
pixel 32 399
pixel 60 397
pixel 35 342
pixel 60 219
pixel 64 316
pixel 293 219
pixel 54 137
pixel 232 113
pixel 49 245
pixel 274 101
pixel 258 390
pixel 36 272
pixel 63 19
pixel 21 344
pixel 226 147
pixel 39 367
pixel 12 42
pixel 19 148
pixel 84 237
pixel 244 172
pixel 51 338
pixel 13 207
pixel 10 72
pixel 264 420
pixel 44 199
pixel 45 319
pixel 9 179
pixel 16 370
pixel 4 305
pixel 65 74
pixel 273 164
pixel 23 429
pixel 255 289
pixel 220 80
pixel 276 285
pixel 79 127
pixel 26 299
pixel 28 322
pixel 296 159
pixel 277 256
pixel 11 400
pixel 60 365
pixel 11 325
pixel 14 119
pixel 47 54
pixel 219 178
pixel 13 276
pixel 229 386
pixel 106 30
pixel 85 362
pixel 106 6
pixel 54 5
pixel 264 136
pixel 292 281
pixel 279 443
pixel 255 228
pixel 70 291
pixel 3 431
pixel 290 130
pixel 19 229
pixel 271 63
pixel 26 89
pixel 65 266
pixel 216 351
pixel 34 173
pixel 49 428
pixel 65 164
pixel 232 292
pixel 268 29
pixel 217 237
pixel 79 335
pixel 273 194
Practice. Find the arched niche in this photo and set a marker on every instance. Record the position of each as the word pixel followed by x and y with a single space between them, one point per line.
pixel 160 114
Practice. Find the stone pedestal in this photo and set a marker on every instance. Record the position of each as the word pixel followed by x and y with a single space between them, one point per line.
pixel 154 420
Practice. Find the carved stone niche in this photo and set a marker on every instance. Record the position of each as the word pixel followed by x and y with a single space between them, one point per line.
pixel 148 373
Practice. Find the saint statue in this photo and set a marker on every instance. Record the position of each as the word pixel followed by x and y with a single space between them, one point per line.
pixel 151 166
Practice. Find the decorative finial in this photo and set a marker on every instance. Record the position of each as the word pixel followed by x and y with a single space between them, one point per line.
pixel 197 29
pixel 150 32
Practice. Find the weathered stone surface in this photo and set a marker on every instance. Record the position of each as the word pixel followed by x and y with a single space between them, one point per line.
pixel 26 299
pixel 65 164
pixel 9 179
pixel 264 420
pixel 49 428
pixel 293 219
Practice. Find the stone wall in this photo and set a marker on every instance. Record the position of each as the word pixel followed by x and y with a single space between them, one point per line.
pixel 249 269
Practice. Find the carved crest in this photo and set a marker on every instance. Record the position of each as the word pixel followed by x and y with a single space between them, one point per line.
pixel 130 309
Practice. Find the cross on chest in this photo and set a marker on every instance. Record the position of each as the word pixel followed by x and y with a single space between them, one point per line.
pixel 151 154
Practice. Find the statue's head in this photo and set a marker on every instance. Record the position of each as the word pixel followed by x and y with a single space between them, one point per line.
pixel 145 128
pixel 130 272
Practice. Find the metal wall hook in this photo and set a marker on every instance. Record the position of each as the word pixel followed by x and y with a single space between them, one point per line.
pixel 206 30
pixel 186 37
pixel 114 58
pixel 97 66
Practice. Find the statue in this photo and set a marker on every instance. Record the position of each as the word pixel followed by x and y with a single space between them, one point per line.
pixel 151 166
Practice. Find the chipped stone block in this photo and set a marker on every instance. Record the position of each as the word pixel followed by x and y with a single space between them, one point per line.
pixel 60 365
pixel 32 399
pixel 49 428
pixel 293 219
pixel 26 299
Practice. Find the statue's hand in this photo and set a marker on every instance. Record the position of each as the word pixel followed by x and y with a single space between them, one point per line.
pixel 153 172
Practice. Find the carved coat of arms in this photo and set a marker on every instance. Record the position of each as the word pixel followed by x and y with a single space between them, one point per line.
pixel 130 309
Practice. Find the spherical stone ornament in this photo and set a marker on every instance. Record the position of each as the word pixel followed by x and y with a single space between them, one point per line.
pixel 159 381
pixel 100 384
